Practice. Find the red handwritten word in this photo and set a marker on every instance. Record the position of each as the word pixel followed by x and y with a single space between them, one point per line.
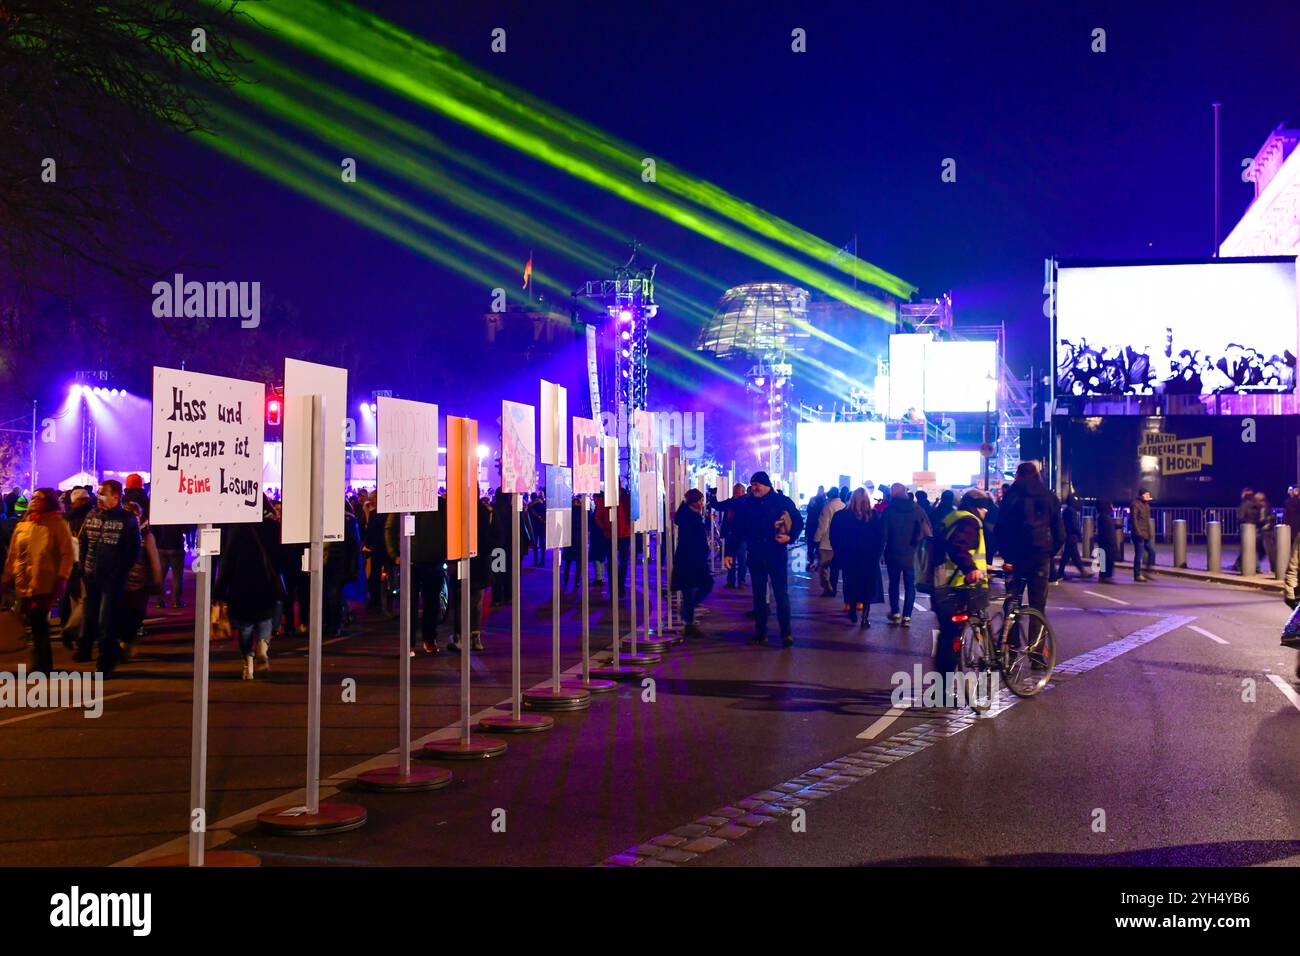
pixel 194 486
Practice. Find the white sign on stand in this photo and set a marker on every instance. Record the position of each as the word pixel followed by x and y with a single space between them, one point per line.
pixel 302 380
pixel 408 455
pixel 207 449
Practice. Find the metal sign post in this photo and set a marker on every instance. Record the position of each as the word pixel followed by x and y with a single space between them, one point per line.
pixel 517 722
pixel 588 683
pixel 404 777
pixel 463 472
pixel 312 818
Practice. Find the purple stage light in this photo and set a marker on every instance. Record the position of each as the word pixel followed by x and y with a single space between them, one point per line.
pixel 625 315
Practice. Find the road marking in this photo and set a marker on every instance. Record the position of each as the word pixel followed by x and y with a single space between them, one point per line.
pixel 1287 690
pixel 1204 633
pixel 888 718
pixel 54 710
pixel 1106 597
pixel 844 772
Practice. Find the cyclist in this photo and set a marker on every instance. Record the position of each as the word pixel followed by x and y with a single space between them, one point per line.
pixel 961 578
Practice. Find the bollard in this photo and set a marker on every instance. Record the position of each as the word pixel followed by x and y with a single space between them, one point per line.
pixel 1088 528
pixel 1213 546
pixel 1180 543
pixel 1249 563
pixel 1283 551
pixel 1119 544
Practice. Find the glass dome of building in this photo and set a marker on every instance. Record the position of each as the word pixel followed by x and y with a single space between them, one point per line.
pixel 757 319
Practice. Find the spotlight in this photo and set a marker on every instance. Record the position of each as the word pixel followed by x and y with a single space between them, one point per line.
pixel 625 315
pixel 482 451
pixel 365 407
pixel 626 353
pixel 374 406
pixel 779 383
pixel 760 381
pixel 626 335
pixel 75 391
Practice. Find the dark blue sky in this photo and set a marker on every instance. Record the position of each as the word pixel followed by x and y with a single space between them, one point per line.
pixel 1059 150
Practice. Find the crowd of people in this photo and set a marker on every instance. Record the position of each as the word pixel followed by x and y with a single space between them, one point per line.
pixel 1085 369
pixel 92 557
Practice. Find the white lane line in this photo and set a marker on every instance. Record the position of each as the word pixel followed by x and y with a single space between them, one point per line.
pixel 1204 633
pixel 46 711
pixel 1106 597
pixel 1287 690
pixel 888 718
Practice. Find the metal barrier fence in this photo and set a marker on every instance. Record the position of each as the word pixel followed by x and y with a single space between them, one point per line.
pixel 1196 518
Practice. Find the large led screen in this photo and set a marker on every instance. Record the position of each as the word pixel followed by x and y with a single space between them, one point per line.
pixel 961 376
pixel 1200 328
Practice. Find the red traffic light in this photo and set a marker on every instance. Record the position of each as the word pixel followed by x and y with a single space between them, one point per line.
pixel 273 412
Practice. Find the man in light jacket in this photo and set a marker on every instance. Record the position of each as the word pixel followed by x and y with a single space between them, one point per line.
pixel 828 573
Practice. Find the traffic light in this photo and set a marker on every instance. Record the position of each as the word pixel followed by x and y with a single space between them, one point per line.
pixel 273 412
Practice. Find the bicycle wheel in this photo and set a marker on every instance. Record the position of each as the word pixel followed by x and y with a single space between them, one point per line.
pixel 1030 652
pixel 976 662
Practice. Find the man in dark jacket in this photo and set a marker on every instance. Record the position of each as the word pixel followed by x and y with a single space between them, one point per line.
pixel 428 555
pixel 815 505
pixel 1247 513
pixel 171 554
pixel 1144 533
pixel 1030 532
pixel 109 544
pixel 1073 535
pixel 768 521
pixel 905 526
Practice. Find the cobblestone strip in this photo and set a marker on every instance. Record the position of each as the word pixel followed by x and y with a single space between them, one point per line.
pixel 728 824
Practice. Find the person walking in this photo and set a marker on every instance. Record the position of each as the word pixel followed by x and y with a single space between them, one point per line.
pixel 537 525
pixel 144 578
pixel 691 574
pixel 428 556
pixel 109 544
pixel 905 526
pixel 1265 533
pixel 827 570
pixel 812 521
pixel 621 536
pixel 1107 529
pixel 1143 530
pixel 170 539
pixel 37 567
pixel 250 584
pixel 1030 532
pixel 1073 527
pixel 72 607
pixel 733 541
pixel 1247 513
pixel 769 521
pixel 857 539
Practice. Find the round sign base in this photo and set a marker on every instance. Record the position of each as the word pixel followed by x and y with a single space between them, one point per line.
pixel 654 645
pixel 478 748
pixel 622 672
pixel 639 659
pixel 549 698
pixel 295 821
pixel 392 779
pixel 526 724
pixel 593 686
pixel 213 858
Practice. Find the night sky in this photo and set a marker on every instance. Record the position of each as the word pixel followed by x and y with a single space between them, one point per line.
pixel 1059 151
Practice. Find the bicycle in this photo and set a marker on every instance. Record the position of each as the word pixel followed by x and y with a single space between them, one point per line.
pixel 1017 643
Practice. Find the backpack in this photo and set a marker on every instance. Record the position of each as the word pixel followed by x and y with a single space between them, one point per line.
pixel 1033 531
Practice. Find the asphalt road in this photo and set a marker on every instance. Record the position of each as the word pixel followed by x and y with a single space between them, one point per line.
pixel 1142 751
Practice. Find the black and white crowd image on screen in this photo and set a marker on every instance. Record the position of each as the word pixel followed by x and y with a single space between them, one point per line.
pixel 1084 368
pixel 1186 328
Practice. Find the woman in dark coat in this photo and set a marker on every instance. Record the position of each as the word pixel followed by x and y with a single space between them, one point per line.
pixel 250 585
pixel 1106 528
pixel 857 539
pixel 691 574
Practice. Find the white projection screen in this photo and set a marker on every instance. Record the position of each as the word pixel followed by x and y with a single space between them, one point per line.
pixel 961 376
pixel 906 373
pixel 933 376
pixel 955 468
pixel 1217 326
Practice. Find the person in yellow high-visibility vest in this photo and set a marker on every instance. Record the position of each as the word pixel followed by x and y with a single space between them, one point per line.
pixel 964 565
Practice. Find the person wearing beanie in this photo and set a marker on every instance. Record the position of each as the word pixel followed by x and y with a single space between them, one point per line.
pixel 768 521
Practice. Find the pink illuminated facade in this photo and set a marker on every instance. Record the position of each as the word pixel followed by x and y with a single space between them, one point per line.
pixel 1271 225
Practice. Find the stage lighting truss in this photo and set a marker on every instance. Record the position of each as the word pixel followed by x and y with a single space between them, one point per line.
pixel 771 388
